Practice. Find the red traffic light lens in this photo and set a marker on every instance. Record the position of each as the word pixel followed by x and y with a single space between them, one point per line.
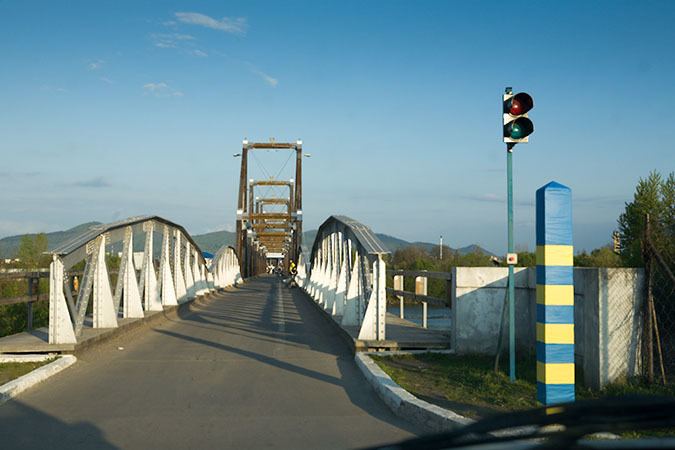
pixel 520 104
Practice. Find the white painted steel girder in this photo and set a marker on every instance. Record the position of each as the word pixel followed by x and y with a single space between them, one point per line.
pixel 151 291
pixel 104 314
pixel 169 289
pixel 348 276
pixel 132 308
pixel 60 327
pixel 178 273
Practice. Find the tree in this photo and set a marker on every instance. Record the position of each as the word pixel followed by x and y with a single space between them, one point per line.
pixel 654 196
pixel 31 252
pixel 600 257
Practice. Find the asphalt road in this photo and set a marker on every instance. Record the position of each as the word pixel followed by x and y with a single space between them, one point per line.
pixel 256 368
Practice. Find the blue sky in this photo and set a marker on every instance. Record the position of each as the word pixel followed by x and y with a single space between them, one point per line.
pixel 112 109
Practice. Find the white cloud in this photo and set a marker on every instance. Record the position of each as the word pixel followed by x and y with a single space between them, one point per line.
pixel 107 80
pixel 169 40
pixel 199 53
pixel 226 24
pixel 161 89
pixel 49 88
pixel 95 65
pixel 271 81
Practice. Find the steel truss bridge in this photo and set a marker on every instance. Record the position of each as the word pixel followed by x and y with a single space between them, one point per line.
pixel 161 266
pixel 205 318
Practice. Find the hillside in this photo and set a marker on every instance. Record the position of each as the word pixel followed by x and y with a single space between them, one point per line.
pixel 10 244
pixel 211 242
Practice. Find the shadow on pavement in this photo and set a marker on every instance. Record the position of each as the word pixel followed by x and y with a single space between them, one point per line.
pixel 252 311
pixel 19 423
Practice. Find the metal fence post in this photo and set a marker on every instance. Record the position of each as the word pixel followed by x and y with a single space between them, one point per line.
pixel 398 286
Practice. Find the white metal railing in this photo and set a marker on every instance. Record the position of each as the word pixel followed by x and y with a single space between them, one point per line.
pixel 348 276
pixel 224 270
pixel 182 274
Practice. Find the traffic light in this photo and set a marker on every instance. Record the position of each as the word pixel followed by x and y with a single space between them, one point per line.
pixel 517 126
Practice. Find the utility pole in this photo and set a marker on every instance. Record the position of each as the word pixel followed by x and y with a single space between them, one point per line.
pixel 440 249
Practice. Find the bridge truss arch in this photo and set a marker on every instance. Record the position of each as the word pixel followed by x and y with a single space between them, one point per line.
pixel 182 273
pixel 347 276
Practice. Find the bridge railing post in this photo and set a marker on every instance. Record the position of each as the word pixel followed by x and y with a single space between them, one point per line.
pixel 421 289
pixel 398 286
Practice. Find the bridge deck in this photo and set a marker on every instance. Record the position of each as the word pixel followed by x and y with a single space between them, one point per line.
pixel 37 341
pixel 403 334
pixel 252 368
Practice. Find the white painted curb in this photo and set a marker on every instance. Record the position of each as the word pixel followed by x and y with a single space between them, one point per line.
pixel 26 358
pixel 15 387
pixel 406 405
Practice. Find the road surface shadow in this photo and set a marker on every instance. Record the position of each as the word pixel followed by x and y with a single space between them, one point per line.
pixel 19 423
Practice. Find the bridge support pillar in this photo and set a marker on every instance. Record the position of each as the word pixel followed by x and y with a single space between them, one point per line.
pixel 352 316
pixel 60 326
pixel 178 277
pixel 373 327
pixel 104 312
pixel 131 297
pixel 151 294
pixel 168 290
pixel 189 276
pixel 339 303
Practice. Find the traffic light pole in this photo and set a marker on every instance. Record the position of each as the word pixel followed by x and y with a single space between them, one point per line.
pixel 517 128
pixel 511 283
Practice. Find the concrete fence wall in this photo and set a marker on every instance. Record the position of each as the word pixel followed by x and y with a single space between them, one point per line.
pixel 607 316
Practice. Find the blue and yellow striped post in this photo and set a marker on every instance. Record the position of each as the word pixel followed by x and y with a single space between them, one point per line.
pixel 555 295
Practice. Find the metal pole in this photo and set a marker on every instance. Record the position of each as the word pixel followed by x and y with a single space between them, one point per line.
pixel 511 284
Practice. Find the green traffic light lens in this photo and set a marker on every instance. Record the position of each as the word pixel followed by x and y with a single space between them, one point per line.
pixel 517 132
pixel 521 128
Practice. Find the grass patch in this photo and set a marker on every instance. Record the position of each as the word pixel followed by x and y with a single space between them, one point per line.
pixel 10 371
pixel 468 385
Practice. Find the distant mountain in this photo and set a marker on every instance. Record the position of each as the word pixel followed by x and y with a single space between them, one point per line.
pixel 473 248
pixel 393 243
pixel 211 242
pixel 10 245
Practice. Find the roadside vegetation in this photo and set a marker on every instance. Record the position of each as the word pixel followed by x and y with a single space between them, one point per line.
pixel 10 371
pixel 654 195
pixel 32 255
pixel 468 384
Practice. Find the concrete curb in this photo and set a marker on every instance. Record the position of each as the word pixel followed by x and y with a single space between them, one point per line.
pixel 406 405
pixel 15 387
pixel 25 358
pixel 411 408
